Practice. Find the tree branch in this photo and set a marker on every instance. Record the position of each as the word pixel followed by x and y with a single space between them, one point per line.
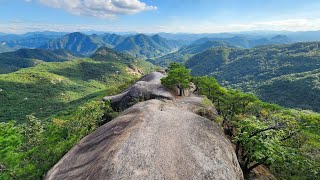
pixel 253 166
pixel 290 135
pixel 266 129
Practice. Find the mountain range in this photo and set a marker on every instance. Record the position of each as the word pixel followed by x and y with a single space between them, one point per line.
pixel 203 44
pixel 245 42
pixel 139 45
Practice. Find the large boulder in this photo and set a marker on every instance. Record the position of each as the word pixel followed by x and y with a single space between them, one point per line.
pixel 147 87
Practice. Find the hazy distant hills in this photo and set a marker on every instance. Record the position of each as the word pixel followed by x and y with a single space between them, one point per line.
pixel 186 52
pixel 245 42
pixel 23 58
pixel 302 36
pixel 29 40
pixel 288 75
pixel 137 45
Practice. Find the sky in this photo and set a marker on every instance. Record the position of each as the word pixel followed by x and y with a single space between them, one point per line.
pixel 151 16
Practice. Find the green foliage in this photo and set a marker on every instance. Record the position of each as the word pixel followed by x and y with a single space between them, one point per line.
pixel 284 140
pixel 178 76
pixel 10 156
pixel 29 150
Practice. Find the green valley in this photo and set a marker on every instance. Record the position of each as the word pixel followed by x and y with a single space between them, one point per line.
pixel 51 88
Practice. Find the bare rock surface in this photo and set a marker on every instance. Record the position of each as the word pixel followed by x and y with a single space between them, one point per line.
pixel 147 87
pixel 155 139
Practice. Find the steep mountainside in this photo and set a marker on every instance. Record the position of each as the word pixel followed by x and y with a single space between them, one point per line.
pixel 275 72
pixel 49 88
pixel 112 39
pixel 78 43
pixel 245 42
pixel 186 52
pixel 23 58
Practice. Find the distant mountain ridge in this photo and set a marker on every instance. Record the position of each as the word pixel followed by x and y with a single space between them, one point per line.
pixel 29 40
pixel 245 42
pixel 137 45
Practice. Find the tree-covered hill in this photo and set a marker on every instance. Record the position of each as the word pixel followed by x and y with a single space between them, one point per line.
pixel 273 72
pixel 186 52
pixel 23 58
pixel 49 88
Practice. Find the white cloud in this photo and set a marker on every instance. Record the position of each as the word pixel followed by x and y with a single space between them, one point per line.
pixel 274 25
pixel 175 26
pixel 99 8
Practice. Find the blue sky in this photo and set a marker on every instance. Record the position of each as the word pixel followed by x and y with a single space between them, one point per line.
pixel 194 16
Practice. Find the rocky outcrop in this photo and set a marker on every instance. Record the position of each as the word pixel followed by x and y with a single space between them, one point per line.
pixel 156 139
pixel 147 87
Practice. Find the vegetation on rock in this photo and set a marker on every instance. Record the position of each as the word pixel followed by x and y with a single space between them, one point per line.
pixel 265 133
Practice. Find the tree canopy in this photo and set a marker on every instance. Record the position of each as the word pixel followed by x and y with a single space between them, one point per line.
pixel 178 77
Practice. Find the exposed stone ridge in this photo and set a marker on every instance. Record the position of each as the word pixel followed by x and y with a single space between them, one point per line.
pixel 155 139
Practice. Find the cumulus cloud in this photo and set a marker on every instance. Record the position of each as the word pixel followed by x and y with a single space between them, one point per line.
pixel 99 8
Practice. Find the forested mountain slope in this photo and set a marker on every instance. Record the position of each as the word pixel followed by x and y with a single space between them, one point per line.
pixel 49 88
pixel 186 52
pixel 273 72
pixel 23 58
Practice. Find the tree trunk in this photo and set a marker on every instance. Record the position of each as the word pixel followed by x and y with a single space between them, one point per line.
pixel 180 91
pixel 237 150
